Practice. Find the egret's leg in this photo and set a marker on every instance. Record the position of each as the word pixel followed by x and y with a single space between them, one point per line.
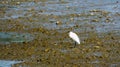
pixel 75 45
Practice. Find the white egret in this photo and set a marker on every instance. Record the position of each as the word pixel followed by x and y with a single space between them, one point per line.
pixel 75 37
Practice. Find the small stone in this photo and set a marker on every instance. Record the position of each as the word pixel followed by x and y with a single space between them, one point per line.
pixel 58 22
pixel 94 10
pixel 46 50
pixel 17 3
pixel 98 43
pixel 91 14
pixel 107 20
pixel 95 20
pixel 71 19
pixel 97 47
pixel 55 44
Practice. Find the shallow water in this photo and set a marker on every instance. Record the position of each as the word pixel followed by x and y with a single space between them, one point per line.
pixel 8 63
pixel 12 37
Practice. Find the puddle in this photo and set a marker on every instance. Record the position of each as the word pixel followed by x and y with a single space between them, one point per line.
pixel 12 37
pixel 8 63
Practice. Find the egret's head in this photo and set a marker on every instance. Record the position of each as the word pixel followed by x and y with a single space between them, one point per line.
pixel 69 32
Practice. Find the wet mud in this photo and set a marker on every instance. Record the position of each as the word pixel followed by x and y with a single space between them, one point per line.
pixel 47 24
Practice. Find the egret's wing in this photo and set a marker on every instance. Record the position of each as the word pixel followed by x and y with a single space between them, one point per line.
pixel 74 37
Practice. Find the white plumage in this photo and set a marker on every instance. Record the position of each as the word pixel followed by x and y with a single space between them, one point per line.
pixel 74 36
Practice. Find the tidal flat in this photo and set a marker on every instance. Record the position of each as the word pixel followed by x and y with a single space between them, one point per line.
pixel 36 33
